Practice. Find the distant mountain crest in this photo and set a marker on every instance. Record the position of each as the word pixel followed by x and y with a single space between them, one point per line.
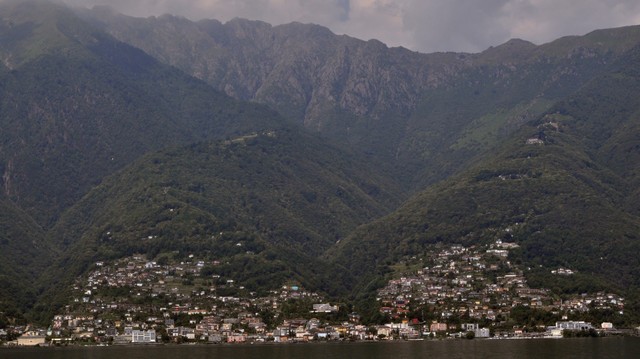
pixel 353 91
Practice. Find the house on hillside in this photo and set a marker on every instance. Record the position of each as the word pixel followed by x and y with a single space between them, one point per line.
pixel 324 308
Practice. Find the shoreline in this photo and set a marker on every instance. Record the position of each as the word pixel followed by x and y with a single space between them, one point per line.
pixel 270 343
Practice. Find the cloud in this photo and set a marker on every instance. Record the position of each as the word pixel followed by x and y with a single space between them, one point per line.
pixel 459 25
pixel 422 25
pixel 470 25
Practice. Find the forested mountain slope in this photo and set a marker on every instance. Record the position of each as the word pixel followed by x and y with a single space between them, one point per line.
pixel 76 105
pixel 265 206
pixel 564 187
pixel 119 137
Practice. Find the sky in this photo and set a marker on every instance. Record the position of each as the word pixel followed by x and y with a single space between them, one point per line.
pixel 419 25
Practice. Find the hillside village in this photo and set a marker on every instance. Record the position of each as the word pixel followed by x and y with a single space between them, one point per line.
pixel 480 285
pixel 454 292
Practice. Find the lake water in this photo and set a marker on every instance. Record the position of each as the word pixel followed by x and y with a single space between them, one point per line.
pixel 451 349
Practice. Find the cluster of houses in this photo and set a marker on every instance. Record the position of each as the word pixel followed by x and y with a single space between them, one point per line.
pixel 479 284
pixel 134 300
pixel 469 292
pixel 210 329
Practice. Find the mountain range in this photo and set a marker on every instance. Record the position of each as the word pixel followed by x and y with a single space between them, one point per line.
pixel 290 153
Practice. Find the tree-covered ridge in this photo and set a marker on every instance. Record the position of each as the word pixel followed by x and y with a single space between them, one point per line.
pixel 266 205
pixel 85 106
pixel 246 180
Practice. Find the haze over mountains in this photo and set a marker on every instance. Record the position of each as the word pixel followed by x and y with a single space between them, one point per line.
pixel 319 154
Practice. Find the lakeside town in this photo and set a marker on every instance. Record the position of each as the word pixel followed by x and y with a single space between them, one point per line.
pixel 454 292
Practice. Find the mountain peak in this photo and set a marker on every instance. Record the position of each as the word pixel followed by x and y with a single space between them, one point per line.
pixel 512 50
pixel 30 29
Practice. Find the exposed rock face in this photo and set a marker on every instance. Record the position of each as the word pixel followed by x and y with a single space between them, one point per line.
pixel 391 103
pixel 297 68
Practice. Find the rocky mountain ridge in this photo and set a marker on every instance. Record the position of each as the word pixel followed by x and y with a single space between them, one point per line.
pixel 395 105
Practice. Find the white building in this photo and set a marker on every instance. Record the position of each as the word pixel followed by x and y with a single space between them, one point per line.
pixel 324 308
pixel 477 331
pixel 573 325
pixel 31 339
pixel 143 336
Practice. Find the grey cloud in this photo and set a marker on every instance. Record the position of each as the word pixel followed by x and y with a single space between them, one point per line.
pixel 422 25
pixel 458 25
pixel 468 25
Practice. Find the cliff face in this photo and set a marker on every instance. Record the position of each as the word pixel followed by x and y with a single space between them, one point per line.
pixel 306 65
pixel 428 114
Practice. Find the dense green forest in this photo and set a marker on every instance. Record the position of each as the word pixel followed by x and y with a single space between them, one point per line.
pixel 266 205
